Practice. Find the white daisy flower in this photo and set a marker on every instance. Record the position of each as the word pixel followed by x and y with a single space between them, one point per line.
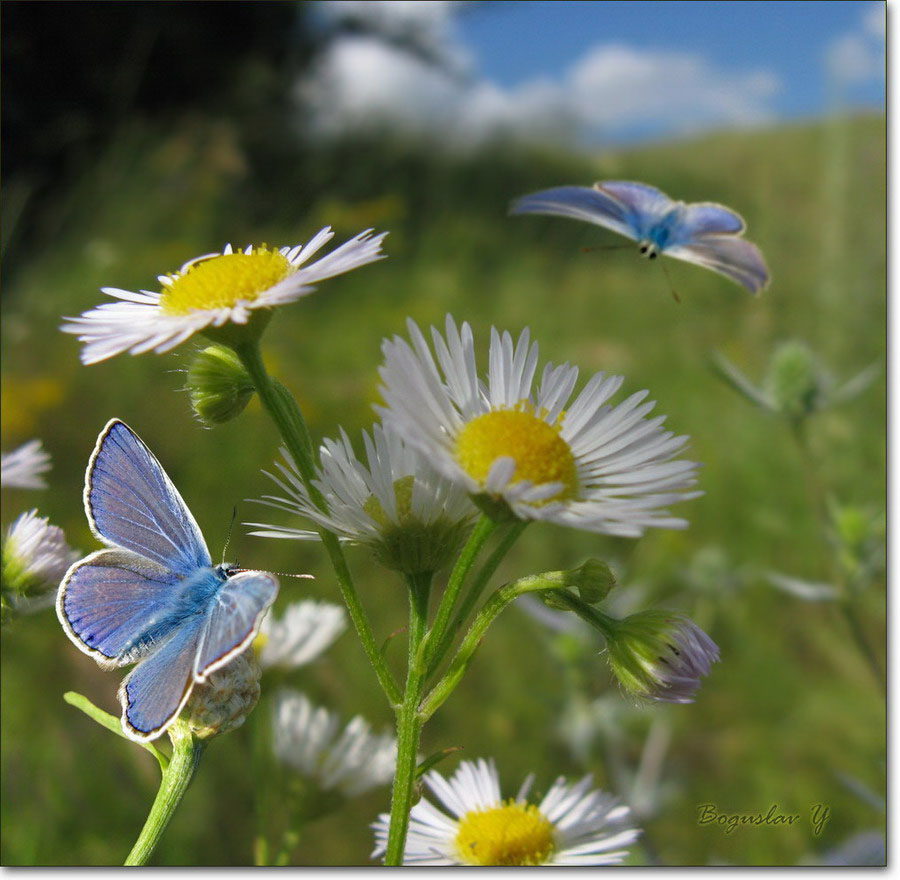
pixel 305 630
pixel 211 291
pixel 572 825
pixel 584 464
pixel 35 558
pixel 350 762
pixel 22 468
pixel 408 514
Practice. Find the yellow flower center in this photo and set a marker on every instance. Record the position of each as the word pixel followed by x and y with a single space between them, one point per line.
pixel 513 834
pixel 540 453
pixel 223 281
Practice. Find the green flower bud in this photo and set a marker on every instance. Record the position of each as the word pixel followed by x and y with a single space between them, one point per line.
pixel 225 699
pixel 219 385
pixel 660 655
pixel 593 580
pixel 795 380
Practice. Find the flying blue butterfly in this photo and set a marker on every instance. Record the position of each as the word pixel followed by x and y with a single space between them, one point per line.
pixel 702 232
pixel 154 598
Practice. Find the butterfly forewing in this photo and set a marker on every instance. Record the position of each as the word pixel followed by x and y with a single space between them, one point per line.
pixel 233 618
pixel 132 503
pixel 705 218
pixel 642 205
pixel 109 602
pixel 579 203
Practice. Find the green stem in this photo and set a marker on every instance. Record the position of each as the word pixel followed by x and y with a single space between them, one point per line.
pixel 859 636
pixel 594 616
pixel 291 425
pixel 467 648
pixel 474 594
pixel 848 595
pixel 409 722
pixel 111 722
pixel 484 528
pixel 186 753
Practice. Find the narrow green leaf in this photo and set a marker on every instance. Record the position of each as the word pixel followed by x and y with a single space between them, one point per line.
pixel 732 376
pixel 110 722
pixel 436 758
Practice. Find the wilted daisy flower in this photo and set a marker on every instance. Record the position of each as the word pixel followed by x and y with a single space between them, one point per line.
pixel 584 464
pixel 224 700
pixel 660 655
pixel 572 825
pixel 211 291
pixel 305 630
pixel 35 558
pixel 411 517
pixel 22 468
pixel 308 739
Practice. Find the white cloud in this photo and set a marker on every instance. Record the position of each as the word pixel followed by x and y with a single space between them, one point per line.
pixel 614 90
pixel 424 24
pixel 615 86
pixel 858 56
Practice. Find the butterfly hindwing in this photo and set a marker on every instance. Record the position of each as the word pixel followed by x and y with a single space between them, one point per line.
pixel 109 601
pixel 132 503
pixel 233 618
pixel 155 691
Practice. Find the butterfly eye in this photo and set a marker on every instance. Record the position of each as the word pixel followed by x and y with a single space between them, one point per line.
pixel 652 255
pixel 644 249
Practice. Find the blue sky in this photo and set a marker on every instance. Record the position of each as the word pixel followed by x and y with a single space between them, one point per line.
pixel 513 40
pixel 593 72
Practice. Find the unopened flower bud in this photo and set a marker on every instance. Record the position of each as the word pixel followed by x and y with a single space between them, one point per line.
pixel 225 699
pixel 660 655
pixel 219 385
pixel 795 380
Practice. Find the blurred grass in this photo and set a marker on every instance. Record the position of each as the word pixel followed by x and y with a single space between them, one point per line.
pixel 790 706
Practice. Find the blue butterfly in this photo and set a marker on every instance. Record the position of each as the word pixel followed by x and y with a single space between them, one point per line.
pixel 154 598
pixel 702 232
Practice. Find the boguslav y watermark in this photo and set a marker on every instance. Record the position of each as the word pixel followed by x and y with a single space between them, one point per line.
pixel 709 814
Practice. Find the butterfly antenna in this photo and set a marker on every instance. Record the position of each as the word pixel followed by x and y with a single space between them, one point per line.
pixel 285 574
pixel 675 296
pixel 604 247
pixel 230 527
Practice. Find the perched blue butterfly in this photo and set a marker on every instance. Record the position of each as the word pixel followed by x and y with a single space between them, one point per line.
pixel 154 598
pixel 703 232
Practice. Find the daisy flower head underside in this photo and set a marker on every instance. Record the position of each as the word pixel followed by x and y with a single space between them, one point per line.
pixel 584 463
pixel 572 825
pixel 23 468
pixel 409 515
pixel 309 739
pixel 211 291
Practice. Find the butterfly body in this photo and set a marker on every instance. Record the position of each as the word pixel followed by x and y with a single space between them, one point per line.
pixel 704 233
pixel 154 597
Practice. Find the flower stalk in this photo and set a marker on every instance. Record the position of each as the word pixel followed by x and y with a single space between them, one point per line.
pixel 292 426
pixel 176 778
pixel 409 721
